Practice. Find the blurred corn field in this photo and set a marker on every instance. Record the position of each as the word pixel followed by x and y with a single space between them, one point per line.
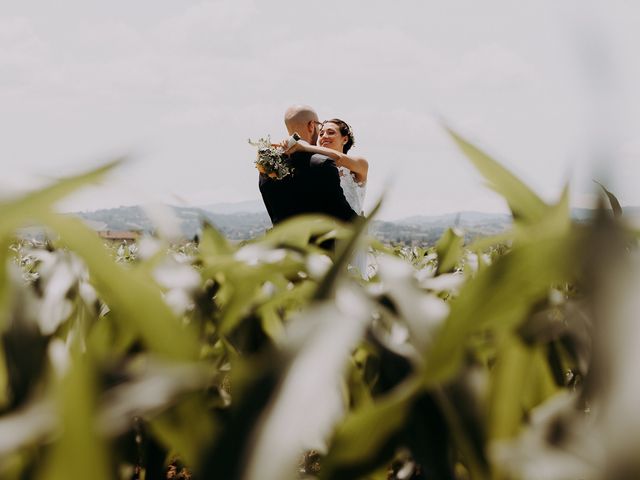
pixel 509 358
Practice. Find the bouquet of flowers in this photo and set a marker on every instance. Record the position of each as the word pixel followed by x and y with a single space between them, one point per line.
pixel 271 160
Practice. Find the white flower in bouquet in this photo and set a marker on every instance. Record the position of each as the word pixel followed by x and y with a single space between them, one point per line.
pixel 271 160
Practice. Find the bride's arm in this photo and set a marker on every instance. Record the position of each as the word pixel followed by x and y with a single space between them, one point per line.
pixel 358 165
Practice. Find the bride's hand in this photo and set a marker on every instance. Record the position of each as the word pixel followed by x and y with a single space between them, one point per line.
pixel 299 146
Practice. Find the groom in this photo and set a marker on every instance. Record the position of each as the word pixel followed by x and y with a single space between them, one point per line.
pixel 314 186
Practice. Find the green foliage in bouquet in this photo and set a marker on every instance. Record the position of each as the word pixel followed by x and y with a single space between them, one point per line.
pixel 271 160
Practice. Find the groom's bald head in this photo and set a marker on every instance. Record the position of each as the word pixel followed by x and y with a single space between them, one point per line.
pixel 304 120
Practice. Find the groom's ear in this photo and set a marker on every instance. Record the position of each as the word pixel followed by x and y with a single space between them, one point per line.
pixel 311 129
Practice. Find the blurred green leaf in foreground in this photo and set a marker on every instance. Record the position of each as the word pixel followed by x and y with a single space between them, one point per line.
pixel 511 357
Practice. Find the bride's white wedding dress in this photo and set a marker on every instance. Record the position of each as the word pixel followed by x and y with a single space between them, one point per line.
pixel 354 192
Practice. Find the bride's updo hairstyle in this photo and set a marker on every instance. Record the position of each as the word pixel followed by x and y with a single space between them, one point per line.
pixel 345 130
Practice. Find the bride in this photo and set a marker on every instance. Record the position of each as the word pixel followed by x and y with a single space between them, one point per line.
pixel 335 139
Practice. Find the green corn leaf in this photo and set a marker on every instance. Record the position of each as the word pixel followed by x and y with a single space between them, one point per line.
pixel 449 250
pixel 80 452
pixel 134 298
pixel 327 286
pixel 242 283
pixel 365 434
pixel 521 380
pixel 298 231
pixel 213 243
pixel 461 433
pixel 615 204
pixel 16 212
pixel 186 428
pixel 543 254
pixel 507 383
pixel 5 292
pixel 525 205
pixel 525 275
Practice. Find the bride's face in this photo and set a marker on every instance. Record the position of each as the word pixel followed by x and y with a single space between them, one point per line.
pixel 330 137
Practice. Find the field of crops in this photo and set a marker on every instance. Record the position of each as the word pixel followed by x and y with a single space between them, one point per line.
pixel 509 358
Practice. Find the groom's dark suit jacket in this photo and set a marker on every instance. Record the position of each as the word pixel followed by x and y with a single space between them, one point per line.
pixel 313 188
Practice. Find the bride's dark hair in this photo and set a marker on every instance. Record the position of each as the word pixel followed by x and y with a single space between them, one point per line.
pixel 345 130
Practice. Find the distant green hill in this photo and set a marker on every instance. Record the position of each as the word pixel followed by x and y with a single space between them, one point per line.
pixel 244 225
pixel 238 226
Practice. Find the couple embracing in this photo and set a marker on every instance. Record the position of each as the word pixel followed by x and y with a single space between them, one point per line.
pixel 326 179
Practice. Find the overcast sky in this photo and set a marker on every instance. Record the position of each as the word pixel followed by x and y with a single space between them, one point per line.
pixel 549 88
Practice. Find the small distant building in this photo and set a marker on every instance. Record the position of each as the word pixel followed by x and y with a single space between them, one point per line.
pixel 119 235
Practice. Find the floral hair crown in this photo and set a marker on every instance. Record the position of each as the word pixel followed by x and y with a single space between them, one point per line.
pixel 351 135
